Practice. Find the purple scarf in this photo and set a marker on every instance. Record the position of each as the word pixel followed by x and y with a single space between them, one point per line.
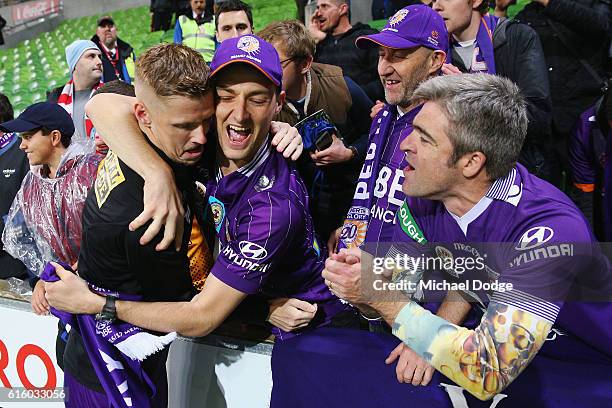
pixel 6 139
pixel 116 350
pixel 359 213
pixel 484 58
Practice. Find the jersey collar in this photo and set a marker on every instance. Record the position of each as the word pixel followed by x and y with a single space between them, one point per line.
pixel 508 189
pixel 260 157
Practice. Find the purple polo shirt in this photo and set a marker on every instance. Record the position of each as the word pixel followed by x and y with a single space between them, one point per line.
pixel 379 188
pixel 267 241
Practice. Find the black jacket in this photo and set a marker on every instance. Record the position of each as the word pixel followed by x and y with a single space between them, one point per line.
pixel 2 25
pixel 359 65
pixel 112 257
pixel 519 57
pixel 13 168
pixel 571 30
pixel 161 5
pixel 125 52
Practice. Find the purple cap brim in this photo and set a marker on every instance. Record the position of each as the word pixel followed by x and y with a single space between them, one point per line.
pixel 247 61
pixel 386 40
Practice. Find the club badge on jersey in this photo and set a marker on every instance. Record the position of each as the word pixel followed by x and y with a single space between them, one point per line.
pixel 218 211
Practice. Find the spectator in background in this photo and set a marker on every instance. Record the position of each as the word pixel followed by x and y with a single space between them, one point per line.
pixel 233 18
pixel 44 222
pixel 590 151
pixel 161 14
pixel 484 43
pixel 330 173
pixel 13 168
pixel 378 9
pixel 300 5
pixel 181 8
pixel 85 66
pixel 118 57
pixel 2 25
pixel 331 28
pixel 197 29
pixel 575 38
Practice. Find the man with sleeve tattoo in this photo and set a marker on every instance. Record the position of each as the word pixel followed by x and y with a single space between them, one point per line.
pixel 466 193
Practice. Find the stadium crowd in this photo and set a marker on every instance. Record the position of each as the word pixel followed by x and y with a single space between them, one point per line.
pixel 278 175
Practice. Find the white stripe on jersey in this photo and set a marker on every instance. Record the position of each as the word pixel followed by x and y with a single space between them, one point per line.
pixel 270 221
pixel 250 220
pixel 260 157
pixel 529 303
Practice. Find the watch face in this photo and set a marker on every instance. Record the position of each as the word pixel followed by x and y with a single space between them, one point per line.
pixel 108 313
pixel 105 317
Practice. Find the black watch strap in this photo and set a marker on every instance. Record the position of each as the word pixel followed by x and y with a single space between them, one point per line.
pixel 354 152
pixel 109 311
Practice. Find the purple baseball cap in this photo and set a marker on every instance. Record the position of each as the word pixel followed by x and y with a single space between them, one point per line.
pixel 412 26
pixel 252 50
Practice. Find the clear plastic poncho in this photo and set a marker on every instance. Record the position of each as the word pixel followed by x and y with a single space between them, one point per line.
pixel 44 222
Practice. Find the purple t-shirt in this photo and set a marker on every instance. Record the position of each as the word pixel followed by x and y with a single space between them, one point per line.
pixel 379 188
pixel 267 243
pixel 528 234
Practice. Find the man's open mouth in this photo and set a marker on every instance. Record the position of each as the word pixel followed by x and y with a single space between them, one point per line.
pixel 238 135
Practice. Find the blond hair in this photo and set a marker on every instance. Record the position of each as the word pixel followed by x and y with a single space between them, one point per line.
pixel 173 70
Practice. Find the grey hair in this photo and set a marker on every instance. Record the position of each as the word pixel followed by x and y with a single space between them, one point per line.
pixel 486 113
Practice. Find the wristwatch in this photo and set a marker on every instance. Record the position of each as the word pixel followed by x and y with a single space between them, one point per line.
pixel 109 312
pixel 353 150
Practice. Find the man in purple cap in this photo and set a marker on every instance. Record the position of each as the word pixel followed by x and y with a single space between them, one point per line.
pixel 412 48
pixel 260 208
pixel 539 280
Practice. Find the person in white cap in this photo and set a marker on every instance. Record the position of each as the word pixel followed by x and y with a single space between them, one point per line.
pixel 85 66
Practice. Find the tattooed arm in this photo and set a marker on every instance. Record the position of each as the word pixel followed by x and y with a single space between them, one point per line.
pixel 485 360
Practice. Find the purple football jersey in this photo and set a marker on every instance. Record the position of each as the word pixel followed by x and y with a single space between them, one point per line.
pixel 379 188
pixel 528 234
pixel 267 243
